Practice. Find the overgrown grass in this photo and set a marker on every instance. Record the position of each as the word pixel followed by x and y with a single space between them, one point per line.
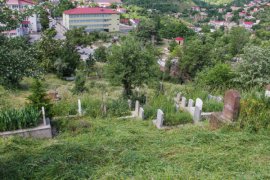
pixel 128 149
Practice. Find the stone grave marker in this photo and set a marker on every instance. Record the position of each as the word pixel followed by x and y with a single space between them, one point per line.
pixel 190 103
pixel 183 102
pixel 160 119
pixel 230 111
pixel 79 107
pixel 141 113
pixel 267 91
pixel 129 104
pixel 197 115
pixel 178 97
pixel 199 103
pixel 137 108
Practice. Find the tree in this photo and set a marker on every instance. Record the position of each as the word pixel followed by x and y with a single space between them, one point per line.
pixel 79 83
pixel 38 97
pixel 131 64
pixel 238 38
pixel 18 59
pixel 89 64
pixel 67 61
pixel 254 68
pixel 100 54
pixel 146 30
pixel 44 19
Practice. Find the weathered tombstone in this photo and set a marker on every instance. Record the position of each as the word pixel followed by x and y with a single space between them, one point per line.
pixel 79 107
pixel 141 113
pixel 197 114
pixel 219 99
pixel 267 91
pixel 178 97
pixel 190 103
pixel 160 119
pixel 231 105
pixel 104 109
pixel 183 102
pixel 177 107
pixel 129 104
pixel 137 108
pixel 230 111
pixel 43 115
pixel 199 103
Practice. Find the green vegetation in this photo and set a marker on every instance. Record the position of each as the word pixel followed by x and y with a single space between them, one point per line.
pixel 13 119
pixel 112 149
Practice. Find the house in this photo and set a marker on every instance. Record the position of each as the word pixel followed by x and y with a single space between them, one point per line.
pixel 121 10
pixel 242 14
pixel 235 8
pixel 93 19
pixel 180 40
pixel 228 16
pixel 217 24
pixel 134 22
pixel 29 24
pixel 248 25
pixel 195 8
pixel 107 3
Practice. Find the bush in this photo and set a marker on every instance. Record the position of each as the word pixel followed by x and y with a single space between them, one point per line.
pixel 92 107
pixel 176 118
pixel 149 112
pixel 79 83
pixel 255 113
pixel 13 119
pixel 118 108
pixel 212 106
pixel 65 108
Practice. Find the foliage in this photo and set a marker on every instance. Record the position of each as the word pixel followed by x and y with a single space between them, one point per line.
pixel 238 38
pixel 67 61
pixel 61 7
pixel 118 108
pixel 80 80
pixel 254 112
pixel 44 19
pixel 18 59
pixel 172 45
pixel 176 118
pixel 101 54
pixel 218 77
pixel 254 68
pixel 13 119
pixel 38 97
pixel 131 64
pixel 212 106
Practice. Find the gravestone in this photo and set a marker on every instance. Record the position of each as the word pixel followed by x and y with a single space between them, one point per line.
pixel 129 104
pixel 190 103
pixel 79 107
pixel 43 116
pixel 160 119
pixel 141 113
pixel 178 97
pixel 177 107
pixel 197 115
pixel 183 102
pixel 137 108
pixel 230 111
pixel 199 103
pixel 267 91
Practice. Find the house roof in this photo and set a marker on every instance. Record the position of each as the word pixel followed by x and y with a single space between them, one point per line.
pixel 18 2
pixel 107 1
pixel 179 39
pixel 90 11
pixel 248 23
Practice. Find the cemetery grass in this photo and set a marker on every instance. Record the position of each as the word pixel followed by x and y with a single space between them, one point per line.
pixel 135 149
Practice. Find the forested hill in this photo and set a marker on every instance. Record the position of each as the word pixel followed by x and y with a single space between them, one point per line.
pixel 180 5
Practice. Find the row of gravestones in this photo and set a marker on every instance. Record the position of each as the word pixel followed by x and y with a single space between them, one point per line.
pixel 194 110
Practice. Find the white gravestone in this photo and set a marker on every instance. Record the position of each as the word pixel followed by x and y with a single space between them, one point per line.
pixel 43 116
pixel 79 107
pixel 137 108
pixel 199 103
pixel 197 114
pixel 183 102
pixel 141 113
pixel 267 93
pixel 160 119
pixel 177 107
pixel 178 97
pixel 190 103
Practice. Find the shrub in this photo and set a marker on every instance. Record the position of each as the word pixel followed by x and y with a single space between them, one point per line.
pixel 79 83
pixel 172 119
pixel 149 112
pixel 13 119
pixel 118 108
pixel 65 108
pixel 92 107
pixel 212 106
pixel 255 113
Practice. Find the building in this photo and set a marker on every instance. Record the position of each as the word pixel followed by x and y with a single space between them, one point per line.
pixel 30 23
pixel 179 40
pixel 248 25
pixel 107 3
pixel 93 19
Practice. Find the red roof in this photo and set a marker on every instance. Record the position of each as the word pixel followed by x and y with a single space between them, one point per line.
pixel 25 22
pixel 90 11
pixel 248 23
pixel 179 39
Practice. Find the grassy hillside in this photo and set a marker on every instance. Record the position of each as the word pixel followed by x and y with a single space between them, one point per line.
pixel 110 148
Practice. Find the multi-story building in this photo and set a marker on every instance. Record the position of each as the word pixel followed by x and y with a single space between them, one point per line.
pixel 30 23
pixel 92 19
pixel 107 3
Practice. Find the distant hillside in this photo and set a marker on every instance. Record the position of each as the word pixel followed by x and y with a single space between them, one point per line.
pixel 163 5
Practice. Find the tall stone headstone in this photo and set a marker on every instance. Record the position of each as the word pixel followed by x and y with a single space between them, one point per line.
pixel 43 115
pixel 197 115
pixel 267 91
pixel 141 113
pixel 160 119
pixel 230 111
pixel 184 102
pixel 178 97
pixel 231 105
pixel 137 108
pixel 177 107
pixel 190 103
pixel 199 103
pixel 79 107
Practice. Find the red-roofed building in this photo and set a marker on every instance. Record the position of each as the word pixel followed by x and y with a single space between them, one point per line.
pixel 180 40
pixel 93 19
pixel 107 3
pixel 248 25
